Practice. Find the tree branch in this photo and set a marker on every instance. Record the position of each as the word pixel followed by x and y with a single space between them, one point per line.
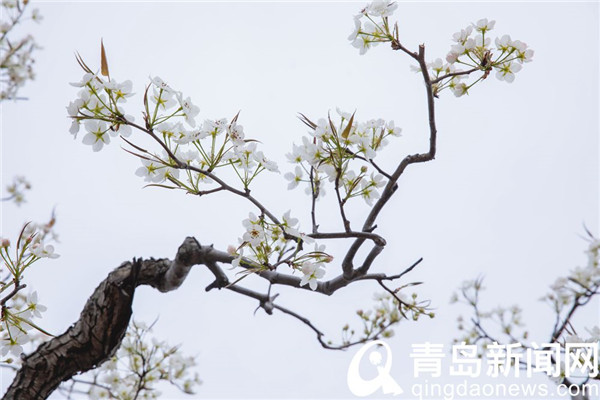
pixel 98 332
pixel 102 324
pixel 391 186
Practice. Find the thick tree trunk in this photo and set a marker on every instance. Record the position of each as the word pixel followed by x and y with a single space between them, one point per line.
pixel 97 334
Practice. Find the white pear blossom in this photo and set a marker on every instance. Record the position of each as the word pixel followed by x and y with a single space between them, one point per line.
pixel 269 165
pixel 289 225
pixel 344 114
pixel 452 56
pixel 364 147
pixel 369 193
pixel 74 129
pixel 96 135
pixel 165 99
pixel 160 84
pixel 479 42
pixel 150 170
pixel 437 66
pixel 121 91
pixel 483 25
pixel 322 131
pixel 524 54
pixel 295 178
pixel 393 130
pixel 238 254
pixel 381 8
pixel 377 181
pixel 38 249
pixel 310 151
pixel 12 341
pixel 506 72
pixel 122 129
pixel 74 107
pixel 33 305
pixel 187 156
pixel 236 134
pixel 185 136
pixel 189 110
pixel 460 89
pixel 213 127
pixel 357 26
pixel 319 188
pixel 87 78
pixel 504 43
pixel 96 105
pixel 463 35
pixel 169 129
pixel 245 156
pixel 166 172
pixel 328 170
pixel 288 220
pixel 296 155
pixel 366 39
pixel 255 233
pixel 312 272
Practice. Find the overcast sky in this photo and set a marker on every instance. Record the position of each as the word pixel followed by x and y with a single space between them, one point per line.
pixel 513 184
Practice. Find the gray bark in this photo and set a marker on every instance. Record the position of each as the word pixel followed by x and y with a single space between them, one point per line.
pixel 98 332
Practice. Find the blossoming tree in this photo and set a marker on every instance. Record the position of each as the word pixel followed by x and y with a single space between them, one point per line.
pixel 338 157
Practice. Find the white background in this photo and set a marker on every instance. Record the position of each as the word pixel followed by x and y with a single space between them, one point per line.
pixel 513 184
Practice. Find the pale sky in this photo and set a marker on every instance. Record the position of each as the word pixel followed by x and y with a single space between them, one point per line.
pixel 513 184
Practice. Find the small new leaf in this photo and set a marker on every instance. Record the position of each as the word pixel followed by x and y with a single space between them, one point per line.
pixel 346 131
pixel 103 61
pixel 307 121
pixel 82 64
pixel 333 130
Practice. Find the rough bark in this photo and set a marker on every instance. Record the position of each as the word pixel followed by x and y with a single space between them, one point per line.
pixel 98 332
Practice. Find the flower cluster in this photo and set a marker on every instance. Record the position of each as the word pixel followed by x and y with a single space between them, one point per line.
pixel 268 243
pixel 17 323
pixel 329 152
pixel 139 365
pixel 16 60
pixel 214 144
pixel 508 319
pixel 170 118
pixel 567 293
pixel 98 107
pixel 473 52
pixel 470 52
pixel 387 311
pixel 363 37
pixel 18 311
pixel 169 101
pixel 580 283
pixel 16 190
